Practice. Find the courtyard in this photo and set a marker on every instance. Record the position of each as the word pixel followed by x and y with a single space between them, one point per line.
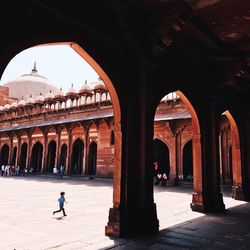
pixel 27 222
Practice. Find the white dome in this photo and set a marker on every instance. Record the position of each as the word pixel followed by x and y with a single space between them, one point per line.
pixel 71 90
pixel 1 108
pixel 98 85
pixel 21 103
pixel 86 88
pixel 13 104
pixel 6 106
pixel 30 100
pixel 32 83
pixel 50 95
pixel 39 98
pixel 61 93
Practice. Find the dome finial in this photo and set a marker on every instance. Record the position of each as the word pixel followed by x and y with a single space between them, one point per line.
pixel 30 95
pixel 72 85
pixel 61 89
pixel 50 91
pixel 99 78
pixel 86 82
pixel 34 70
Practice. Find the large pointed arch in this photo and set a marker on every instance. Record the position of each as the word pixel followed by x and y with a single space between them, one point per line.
pixel 237 192
pixel 197 200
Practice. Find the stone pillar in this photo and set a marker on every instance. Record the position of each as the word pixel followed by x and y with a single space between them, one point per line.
pixel 18 148
pixel 29 151
pixel 135 213
pixel 58 147
pixel 242 192
pixel 178 153
pixel 67 170
pixel 44 167
pixel 213 201
pixel 86 151
pixel 11 149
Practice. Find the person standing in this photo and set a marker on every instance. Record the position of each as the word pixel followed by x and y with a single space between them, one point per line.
pixel 55 172
pixel 61 201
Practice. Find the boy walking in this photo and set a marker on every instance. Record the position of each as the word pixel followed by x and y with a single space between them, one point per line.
pixel 61 201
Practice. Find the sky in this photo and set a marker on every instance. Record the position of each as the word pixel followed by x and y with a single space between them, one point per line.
pixel 60 64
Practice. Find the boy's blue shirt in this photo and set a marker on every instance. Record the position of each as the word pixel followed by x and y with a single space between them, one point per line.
pixel 61 201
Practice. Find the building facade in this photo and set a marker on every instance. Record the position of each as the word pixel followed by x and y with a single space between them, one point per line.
pixel 76 130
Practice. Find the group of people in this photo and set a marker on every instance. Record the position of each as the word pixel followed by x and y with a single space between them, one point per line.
pixel 8 170
pixel 58 172
pixel 160 177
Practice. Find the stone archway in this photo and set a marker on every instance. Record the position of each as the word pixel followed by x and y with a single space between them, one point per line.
pixel 45 40
pixel 92 158
pixel 237 191
pixel 51 156
pixel 197 200
pixel 36 157
pixel 77 157
pixel 5 154
pixel 23 155
pixel 187 161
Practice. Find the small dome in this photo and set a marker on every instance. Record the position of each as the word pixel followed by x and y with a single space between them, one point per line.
pixel 1 108
pixel 6 106
pixel 30 100
pixel 21 103
pixel 50 95
pixel 86 88
pixel 40 98
pixel 60 94
pixel 99 85
pixel 13 104
pixel 71 90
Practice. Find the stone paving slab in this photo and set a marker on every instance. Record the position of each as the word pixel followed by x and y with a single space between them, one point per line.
pixel 27 222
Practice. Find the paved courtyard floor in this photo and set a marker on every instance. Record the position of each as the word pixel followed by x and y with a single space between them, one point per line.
pixel 27 222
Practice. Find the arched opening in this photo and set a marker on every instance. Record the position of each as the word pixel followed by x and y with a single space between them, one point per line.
pixel 176 124
pixel 13 158
pixel 77 157
pixel 92 158
pixel 36 157
pixel 230 156
pixel 51 156
pixel 23 156
pixel 188 161
pixel 5 154
pixel 117 149
pixel 161 157
pixel 63 155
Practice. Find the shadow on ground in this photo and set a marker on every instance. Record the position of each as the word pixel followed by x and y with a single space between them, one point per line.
pixel 230 230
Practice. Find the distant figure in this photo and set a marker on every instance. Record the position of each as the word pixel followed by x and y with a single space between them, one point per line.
pixel 2 170
pixel 61 171
pixel 61 201
pixel 31 170
pixel 55 171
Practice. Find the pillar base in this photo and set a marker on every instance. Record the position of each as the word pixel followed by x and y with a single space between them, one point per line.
pixel 237 193
pixel 134 223
pixel 113 226
pixel 197 202
pixel 214 203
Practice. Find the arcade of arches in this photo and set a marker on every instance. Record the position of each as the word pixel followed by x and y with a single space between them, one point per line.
pixel 142 50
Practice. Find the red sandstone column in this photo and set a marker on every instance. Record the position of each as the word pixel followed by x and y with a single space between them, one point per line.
pixel 135 213
pixel 58 147
pixel 178 153
pixel 86 150
pixel 29 149
pixel 213 201
pixel 44 167
pixel 68 170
